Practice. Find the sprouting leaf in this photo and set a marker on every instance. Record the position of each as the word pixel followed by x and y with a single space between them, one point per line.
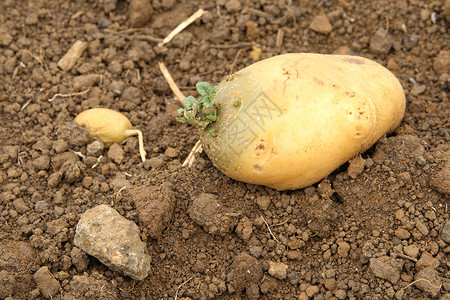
pixel 203 88
pixel 202 111
pixel 188 101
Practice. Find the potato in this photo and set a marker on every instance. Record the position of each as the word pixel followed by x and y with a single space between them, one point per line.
pixel 109 126
pixel 288 121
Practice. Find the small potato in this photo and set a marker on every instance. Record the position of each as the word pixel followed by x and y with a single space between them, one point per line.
pixel 109 126
pixel 289 121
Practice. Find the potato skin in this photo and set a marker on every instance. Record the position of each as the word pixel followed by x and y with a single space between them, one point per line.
pixel 300 117
pixel 106 125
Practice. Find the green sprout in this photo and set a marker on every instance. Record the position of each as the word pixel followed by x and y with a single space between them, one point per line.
pixel 236 102
pixel 202 111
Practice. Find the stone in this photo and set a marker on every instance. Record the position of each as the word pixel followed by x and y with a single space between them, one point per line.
pixel 445 232
pixel 171 152
pixel 428 280
pixel 46 282
pixel 139 12
pixel 278 270
pixel 418 89
pixel 380 42
pixel 402 233
pixel 343 249
pixel 387 268
pixel 41 206
pixel 103 233
pixel 95 148
pixel 321 24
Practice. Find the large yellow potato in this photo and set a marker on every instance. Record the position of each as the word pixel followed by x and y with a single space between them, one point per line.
pixel 288 121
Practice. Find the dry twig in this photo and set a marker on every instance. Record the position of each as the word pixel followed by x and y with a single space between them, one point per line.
pixel 182 26
pixel 171 82
pixel 180 286
pixel 270 230
pixel 174 87
pixel 67 95
pixel 420 279
pixel 70 58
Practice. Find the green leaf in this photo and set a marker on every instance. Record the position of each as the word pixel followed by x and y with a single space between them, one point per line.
pixel 200 112
pixel 188 101
pixel 203 88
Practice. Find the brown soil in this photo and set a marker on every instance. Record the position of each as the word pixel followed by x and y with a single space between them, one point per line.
pixel 394 203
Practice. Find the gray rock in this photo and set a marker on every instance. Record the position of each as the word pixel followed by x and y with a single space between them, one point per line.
pixel 103 233
pixel 46 282
pixel 343 249
pixel 428 280
pixel 380 42
pixel 387 268
pixel 445 232
pixel 41 206
pixel 278 270
pixel 95 148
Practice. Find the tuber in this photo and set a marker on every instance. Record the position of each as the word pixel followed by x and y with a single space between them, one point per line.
pixel 289 121
pixel 109 126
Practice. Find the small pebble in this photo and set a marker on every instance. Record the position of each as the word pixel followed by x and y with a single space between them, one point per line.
pixel 278 270
pixel 321 24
